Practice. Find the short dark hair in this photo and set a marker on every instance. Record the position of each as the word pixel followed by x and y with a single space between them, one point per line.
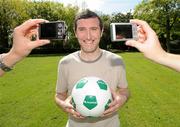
pixel 85 15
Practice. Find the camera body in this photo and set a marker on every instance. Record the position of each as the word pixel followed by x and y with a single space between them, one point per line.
pixel 123 31
pixel 54 30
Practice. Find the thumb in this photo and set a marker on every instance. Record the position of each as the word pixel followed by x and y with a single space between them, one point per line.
pixel 133 43
pixel 68 102
pixel 68 105
pixel 38 43
pixel 113 93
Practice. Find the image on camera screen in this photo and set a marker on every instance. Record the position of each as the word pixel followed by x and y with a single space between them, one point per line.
pixel 49 30
pixel 123 31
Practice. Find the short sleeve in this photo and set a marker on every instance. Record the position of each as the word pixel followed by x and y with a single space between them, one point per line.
pixel 61 83
pixel 122 76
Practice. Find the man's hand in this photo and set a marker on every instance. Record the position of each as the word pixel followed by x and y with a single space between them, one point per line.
pixel 147 42
pixel 22 38
pixel 66 106
pixel 119 99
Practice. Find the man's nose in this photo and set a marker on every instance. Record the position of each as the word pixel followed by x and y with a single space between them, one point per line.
pixel 89 36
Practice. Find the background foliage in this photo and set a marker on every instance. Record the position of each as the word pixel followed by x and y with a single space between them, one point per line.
pixel 162 15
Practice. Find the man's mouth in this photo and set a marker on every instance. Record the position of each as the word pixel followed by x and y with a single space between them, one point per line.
pixel 88 42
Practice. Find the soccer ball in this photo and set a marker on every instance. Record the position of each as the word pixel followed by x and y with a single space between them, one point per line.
pixel 91 96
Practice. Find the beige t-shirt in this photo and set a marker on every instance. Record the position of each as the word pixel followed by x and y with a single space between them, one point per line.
pixel 108 67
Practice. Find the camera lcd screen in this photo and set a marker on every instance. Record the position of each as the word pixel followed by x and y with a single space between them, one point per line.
pixel 48 30
pixel 123 31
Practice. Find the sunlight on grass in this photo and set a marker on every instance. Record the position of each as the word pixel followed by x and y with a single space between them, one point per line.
pixel 27 94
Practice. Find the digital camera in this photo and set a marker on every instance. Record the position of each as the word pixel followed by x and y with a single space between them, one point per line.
pixel 123 31
pixel 54 30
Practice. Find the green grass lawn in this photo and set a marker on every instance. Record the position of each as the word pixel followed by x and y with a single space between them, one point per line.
pixel 27 94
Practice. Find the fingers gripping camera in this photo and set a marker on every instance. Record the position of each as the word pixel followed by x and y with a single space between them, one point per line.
pixel 55 30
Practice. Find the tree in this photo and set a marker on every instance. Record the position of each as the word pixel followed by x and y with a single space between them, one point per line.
pixel 12 12
pixel 162 15
pixel 120 17
pixel 106 40
pixel 15 12
pixel 70 13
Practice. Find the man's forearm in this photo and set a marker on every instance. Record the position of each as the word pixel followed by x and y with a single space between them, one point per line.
pixel 172 61
pixel 8 60
pixel 60 99
pixel 124 92
pixel 124 95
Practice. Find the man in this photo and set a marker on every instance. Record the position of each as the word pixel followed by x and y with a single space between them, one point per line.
pixel 150 46
pixel 22 44
pixel 91 61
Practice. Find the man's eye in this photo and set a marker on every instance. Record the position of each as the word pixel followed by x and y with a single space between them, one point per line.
pixel 81 29
pixel 94 28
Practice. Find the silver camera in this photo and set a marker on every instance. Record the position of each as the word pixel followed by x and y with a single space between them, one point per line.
pixel 123 31
pixel 54 30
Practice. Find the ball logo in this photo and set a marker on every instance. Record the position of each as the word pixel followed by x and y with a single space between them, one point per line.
pixel 90 102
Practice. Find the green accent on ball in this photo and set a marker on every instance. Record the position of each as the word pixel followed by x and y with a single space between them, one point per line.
pixel 73 103
pixel 107 105
pixel 90 102
pixel 102 84
pixel 81 83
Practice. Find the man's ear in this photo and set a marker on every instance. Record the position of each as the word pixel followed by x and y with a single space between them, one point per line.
pixel 102 32
pixel 75 32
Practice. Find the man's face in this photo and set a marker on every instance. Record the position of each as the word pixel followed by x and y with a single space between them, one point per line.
pixel 88 33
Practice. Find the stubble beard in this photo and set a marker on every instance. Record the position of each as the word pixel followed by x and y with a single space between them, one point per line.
pixel 89 50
